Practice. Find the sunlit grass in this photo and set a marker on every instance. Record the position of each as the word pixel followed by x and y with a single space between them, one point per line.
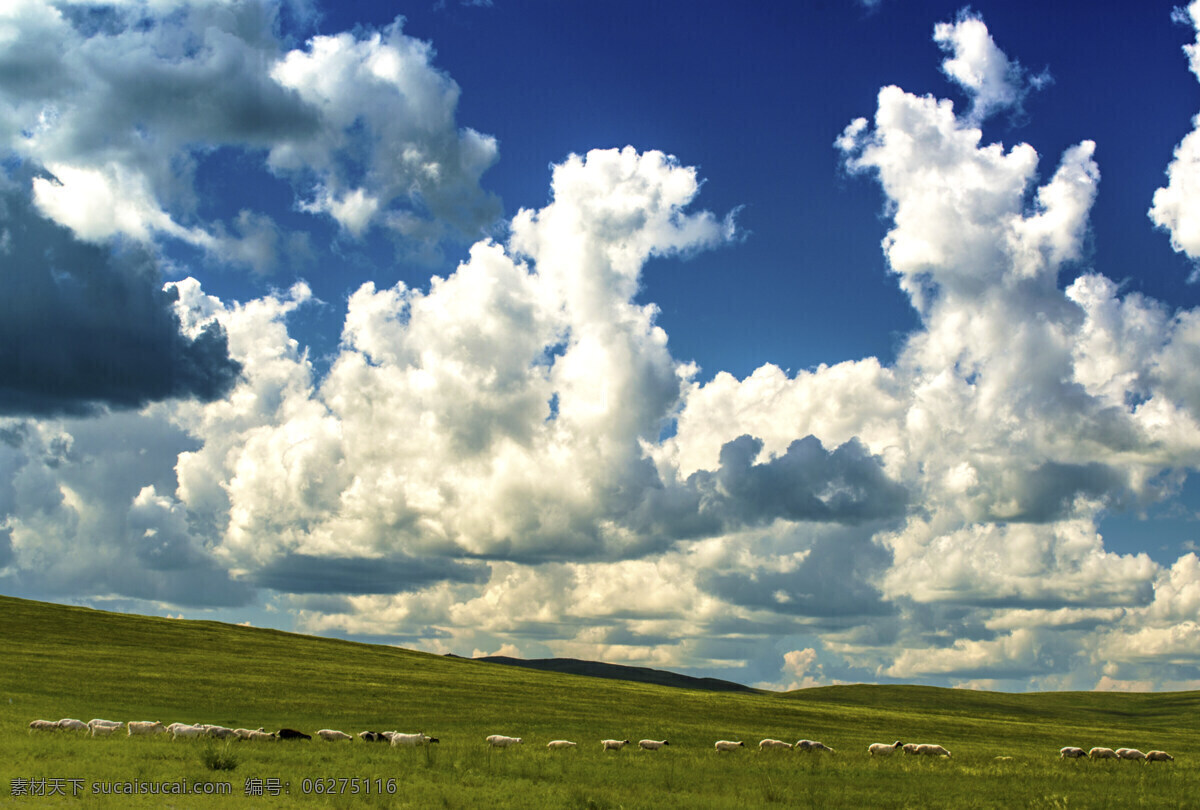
pixel 71 662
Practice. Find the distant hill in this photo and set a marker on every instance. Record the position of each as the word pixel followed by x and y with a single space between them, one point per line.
pixel 619 672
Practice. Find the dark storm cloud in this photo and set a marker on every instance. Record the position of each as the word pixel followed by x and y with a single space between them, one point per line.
pixel 304 573
pixel 84 326
pixel 807 483
pixel 833 581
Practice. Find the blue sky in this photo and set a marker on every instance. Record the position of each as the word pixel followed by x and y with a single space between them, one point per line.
pixel 835 342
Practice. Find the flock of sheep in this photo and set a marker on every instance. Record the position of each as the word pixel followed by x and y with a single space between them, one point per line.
pixel 99 728
pixel 1070 752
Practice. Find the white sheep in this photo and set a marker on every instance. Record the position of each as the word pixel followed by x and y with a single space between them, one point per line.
pixel 244 733
pixel 811 745
pixel 768 743
pixel 613 745
pixel 333 735
pixel 103 727
pixel 727 745
pixel 148 727
pixel 43 725
pixel 500 741
pixel 1102 753
pixel 560 745
pixel 71 724
pixel 1071 752
pixel 184 730
pixel 408 740
pixel 262 736
pixel 651 745
pixel 932 750
pixel 1130 753
pixel 1159 756
pixel 883 749
pixel 220 732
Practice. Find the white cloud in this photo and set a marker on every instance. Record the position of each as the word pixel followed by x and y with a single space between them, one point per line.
pixel 499 413
pixel 798 665
pixel 385 110
pixel 122 115
pixel 1019 652
pixel 111 200
pixel 1175 206
pixel 1063 563
pixel 1190 15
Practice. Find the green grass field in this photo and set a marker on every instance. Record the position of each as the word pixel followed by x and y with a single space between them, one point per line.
pixel 73 662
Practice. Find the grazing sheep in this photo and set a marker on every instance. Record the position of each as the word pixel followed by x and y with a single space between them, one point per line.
pixel 148 727
pixel 910 748
pixel 332 735
pixel 43 725
pixel 932 751
pixel 613 745
pixel 768 743
pixel 727 745
pixel 244 733
pixel 883 749
pixel 811 745
pixel 1130 753
pixel 71 724
pixel 1002 759
pixel 101 727
pixel 420 738
pixel 500 741
pixel 292 734
pixel 262 736
pixel 1102 753
pixel 1071 752
pixel 220 732
pixel 184 730
pixel 560 745
pixel 1159 756
pixel 651 745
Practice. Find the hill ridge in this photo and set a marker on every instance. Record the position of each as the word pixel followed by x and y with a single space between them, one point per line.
pixel 620 672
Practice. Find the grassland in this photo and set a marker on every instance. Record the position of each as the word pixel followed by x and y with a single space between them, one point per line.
pixel 73 662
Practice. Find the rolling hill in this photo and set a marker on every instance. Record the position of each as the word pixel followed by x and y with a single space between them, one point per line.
pixel 75 662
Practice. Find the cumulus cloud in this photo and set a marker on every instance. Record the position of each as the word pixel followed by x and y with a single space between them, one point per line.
pixel 532 392
pixel 1175 206
pixel 83 514
pixel 1014 416
pixel 1018 653
pixel 385 114
pixel 798 665
pixel 129 100
pixel 975 63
